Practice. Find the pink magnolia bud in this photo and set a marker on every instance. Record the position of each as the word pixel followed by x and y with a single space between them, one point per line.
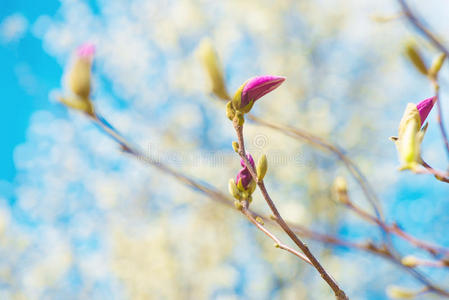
pixel 80 73
pixel 424 107
pixel 255 88
pixel 244 175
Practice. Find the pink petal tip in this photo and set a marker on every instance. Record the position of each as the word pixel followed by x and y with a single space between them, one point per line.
pixel 424 107
pixel 86 50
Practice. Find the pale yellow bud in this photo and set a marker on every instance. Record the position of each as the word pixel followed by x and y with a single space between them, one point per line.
pixel 415 57
pixel 409 140
pixel 238 205
pixel 235 146
pixel 233 190
pixel 262 167
pixel 409 261
pixel 260 220
pixel 396 292
pixel 80 77
pixel 436 65
pixel 230 111
pixel 341 189
pixel 340 185
pixel 213 68
pixel 251 187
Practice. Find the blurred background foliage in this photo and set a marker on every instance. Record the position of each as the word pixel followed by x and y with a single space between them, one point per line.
pixel 81 220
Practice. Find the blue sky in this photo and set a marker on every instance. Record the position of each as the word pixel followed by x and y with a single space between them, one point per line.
pixel 40 73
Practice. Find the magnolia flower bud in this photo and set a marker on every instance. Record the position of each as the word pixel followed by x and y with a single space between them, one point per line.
pixel 411 134
pixel 253 89
pixel 415 57
pixel 80 73
pixel 79 81
pixel 262 166
pixel 244 178
pixel 213 68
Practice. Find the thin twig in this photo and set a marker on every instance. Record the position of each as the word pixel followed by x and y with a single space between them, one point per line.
pixel 314 140
pixel 411 17
pixel 339 293
pixel 436 87
pixel 353 169
pixel 278 243
pixel 395 229
pixel 440 175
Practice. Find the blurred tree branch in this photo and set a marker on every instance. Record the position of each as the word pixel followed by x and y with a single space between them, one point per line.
pixel 222 198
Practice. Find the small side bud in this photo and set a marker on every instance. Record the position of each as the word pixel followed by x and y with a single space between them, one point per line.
pixel 416 58
pixel 260 220
pixel 436 65
pixel 213 68
pixel 230 111
pixel 340 185
pixel 235 146
pixel 396 292
pixel 233 190
pixel 238 205
pixel 341 190
pixel 262 167
pixel 409 261
pixel 251 187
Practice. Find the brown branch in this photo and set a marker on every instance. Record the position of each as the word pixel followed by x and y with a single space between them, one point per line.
pixel 440 175
pixel 339 293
